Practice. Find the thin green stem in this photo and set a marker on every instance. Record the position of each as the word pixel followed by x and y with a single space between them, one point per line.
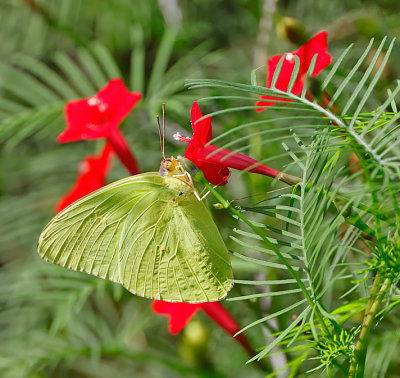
pixel 357 365
pixel 227 205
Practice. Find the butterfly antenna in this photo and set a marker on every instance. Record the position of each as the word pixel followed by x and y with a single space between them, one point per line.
pixel 161 139
pixel 163 134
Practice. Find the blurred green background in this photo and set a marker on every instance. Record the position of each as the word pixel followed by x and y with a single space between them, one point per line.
pixel 57 323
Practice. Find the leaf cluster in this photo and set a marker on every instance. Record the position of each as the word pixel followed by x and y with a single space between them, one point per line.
pixel 338 229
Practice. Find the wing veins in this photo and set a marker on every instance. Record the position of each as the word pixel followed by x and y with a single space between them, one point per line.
pixel 188 265
pixel 87 238
pixel 141 257
pixel 106 229
pixel 114 252
pixel 140 263
pixel 210 271
pixel 53 241
pixel 78 229
pixel 123 237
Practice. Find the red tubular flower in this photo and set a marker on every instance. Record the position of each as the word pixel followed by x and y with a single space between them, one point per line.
pixel 92 174
pixel 180 313
pixel 316 45
pixel 99 117
pixel 221 316
pixel 215 162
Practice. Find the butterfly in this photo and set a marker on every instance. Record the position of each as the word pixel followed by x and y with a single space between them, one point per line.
pixel 149 232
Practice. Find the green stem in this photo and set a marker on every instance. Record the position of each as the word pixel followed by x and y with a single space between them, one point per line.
pixel 227 205
pixel 357 365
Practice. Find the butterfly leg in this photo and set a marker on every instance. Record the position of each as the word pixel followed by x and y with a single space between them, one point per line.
pixel 207 193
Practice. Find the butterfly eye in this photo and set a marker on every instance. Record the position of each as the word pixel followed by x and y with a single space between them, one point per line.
pixel 166 167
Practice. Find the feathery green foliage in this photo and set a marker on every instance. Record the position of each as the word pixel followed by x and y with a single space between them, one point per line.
pixel 303 227
pixel 310 261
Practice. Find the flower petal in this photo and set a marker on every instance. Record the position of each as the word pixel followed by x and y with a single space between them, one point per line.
pixel 179 313
pixel 202 131
pixel 123 151
pixel 229 159
pixel 224 319
pixel 92 174
pixel 215 162
pixel 316 45
pixel 96 116
pixel 216 174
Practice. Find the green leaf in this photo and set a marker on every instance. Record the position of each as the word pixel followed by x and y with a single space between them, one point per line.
pixel 161 60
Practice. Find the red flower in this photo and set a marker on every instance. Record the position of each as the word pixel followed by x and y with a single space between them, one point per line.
pixel 316 45
pixel 180 313
pixel 92 174
pixel 215 167
pixel 99 117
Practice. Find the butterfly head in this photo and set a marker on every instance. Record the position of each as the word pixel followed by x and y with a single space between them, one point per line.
pixel 170 167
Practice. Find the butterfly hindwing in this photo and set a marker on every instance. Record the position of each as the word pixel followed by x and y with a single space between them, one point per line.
pixel 180 253
pixel 145 235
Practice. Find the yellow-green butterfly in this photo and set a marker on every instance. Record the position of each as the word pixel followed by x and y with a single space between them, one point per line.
pixel 150 233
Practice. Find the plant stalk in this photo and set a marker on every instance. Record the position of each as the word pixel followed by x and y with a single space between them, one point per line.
pixel 227 205
pixel 357 365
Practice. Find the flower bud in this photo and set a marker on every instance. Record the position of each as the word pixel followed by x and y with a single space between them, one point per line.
pixel 292 30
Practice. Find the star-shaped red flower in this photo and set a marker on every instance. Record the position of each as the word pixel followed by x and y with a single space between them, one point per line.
pixel 316 45
pixel 92 174
pixel 97 116
pixel 214 161
pixel 180 313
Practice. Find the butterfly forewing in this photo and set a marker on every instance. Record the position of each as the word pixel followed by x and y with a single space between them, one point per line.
pixel 145 235
pixel 85 236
